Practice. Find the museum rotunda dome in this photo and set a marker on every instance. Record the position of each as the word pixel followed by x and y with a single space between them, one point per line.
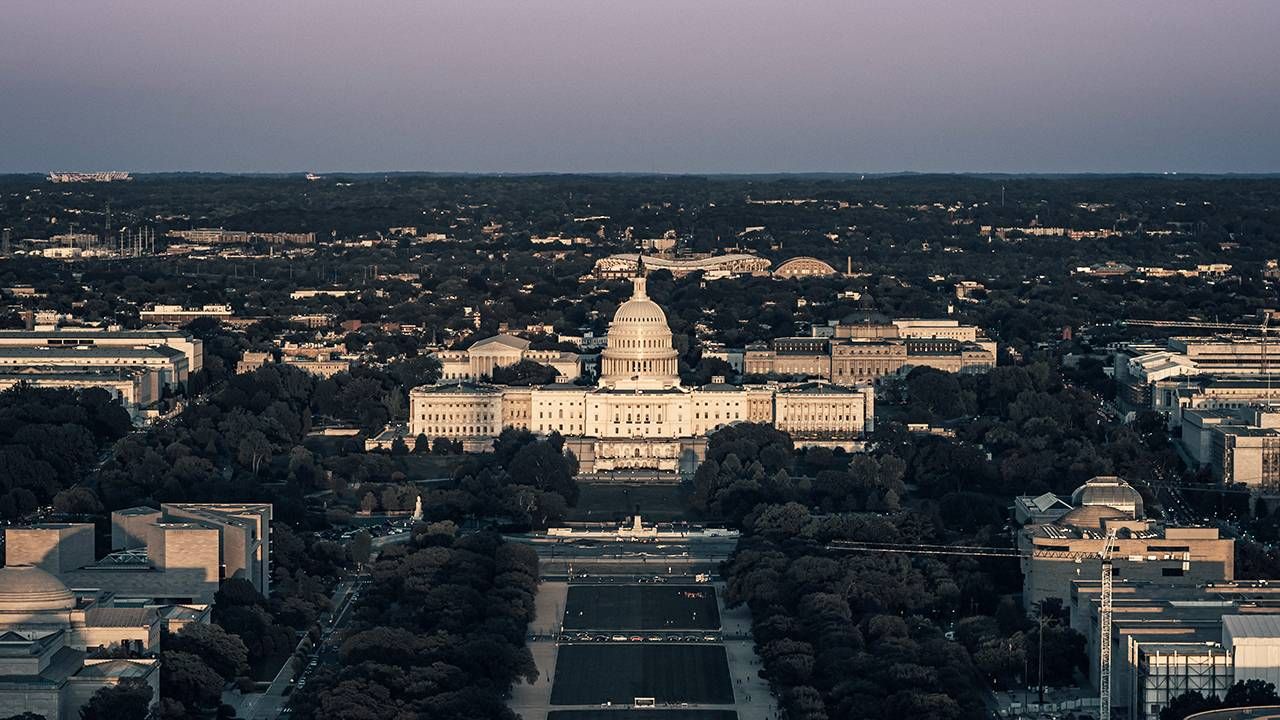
pixel 25 588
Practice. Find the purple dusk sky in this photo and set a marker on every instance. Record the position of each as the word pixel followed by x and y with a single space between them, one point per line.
pixel 642 85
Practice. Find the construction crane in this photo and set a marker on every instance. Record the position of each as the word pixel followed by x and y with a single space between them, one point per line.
pixel 1105 601
pixel 1104 629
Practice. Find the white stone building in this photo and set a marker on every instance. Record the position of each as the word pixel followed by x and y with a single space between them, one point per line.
pixel 638 417
pixel 484 356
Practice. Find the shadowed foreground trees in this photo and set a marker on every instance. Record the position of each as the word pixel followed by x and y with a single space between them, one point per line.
pixel 439 633
pixel 1251 693
pixel 128 700
pixel 49 440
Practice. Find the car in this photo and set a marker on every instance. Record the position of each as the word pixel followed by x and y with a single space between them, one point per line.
pixel 619 638
pixel 655 638
pixel 710 638
pixel 636 638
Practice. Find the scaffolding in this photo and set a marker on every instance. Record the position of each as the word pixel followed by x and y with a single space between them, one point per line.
pixel 1167 670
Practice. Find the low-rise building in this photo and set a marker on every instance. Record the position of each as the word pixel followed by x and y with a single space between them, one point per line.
pixel 866 348
pixel 1062 551
pixel 169 364
pixel 627 265
pixel 1172 638
pixel 798 267
pixel 66 336
pixel 180 315
pixel 1254 644
pixel 178 554
pixel 484 356
pixel 325 366
pixel 139 390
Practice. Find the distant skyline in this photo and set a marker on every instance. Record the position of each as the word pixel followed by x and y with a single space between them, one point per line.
pixel 710 86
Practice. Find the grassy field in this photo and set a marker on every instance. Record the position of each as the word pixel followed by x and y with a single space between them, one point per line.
pixel 630 714
pixel 602 502
pixel 641 607
pixel 620 672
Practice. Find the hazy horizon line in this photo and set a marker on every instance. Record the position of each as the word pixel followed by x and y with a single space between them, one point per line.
pixel 676 173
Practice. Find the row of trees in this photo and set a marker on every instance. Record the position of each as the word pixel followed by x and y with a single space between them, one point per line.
pixel 51 439
pixel 439 633
pixel 864 633
pixel 840 635
pixel 844 634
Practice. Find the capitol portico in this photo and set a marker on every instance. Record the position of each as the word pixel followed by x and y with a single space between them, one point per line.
pixel 638 416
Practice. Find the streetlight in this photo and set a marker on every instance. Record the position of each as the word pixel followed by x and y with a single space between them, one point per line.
pixel 1040 649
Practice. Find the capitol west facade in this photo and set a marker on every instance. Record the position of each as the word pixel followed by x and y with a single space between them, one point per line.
pixel 638 416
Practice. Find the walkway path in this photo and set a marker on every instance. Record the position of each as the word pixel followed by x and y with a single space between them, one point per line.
pixel 755 701
pixel 531 702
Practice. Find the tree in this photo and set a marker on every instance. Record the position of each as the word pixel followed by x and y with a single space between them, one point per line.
pixel 78 500
pixel 540 465
pixel 1186 704
pixel 225 653
pixel 361 546
pixel 254 449
pixel 1251 693
pixel 399 448
pixel 187 679
pixel 130 699
pixel 525 372
pixel 415 371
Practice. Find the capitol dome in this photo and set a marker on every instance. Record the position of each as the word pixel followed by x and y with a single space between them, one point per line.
pixel 639 354
pixel 25 588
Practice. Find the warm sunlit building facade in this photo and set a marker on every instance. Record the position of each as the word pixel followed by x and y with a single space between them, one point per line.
pixel 639 416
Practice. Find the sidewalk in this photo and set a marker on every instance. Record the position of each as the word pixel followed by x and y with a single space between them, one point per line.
pixel 532 702
pixel 750 692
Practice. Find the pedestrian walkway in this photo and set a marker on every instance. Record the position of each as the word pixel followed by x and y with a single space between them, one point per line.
pixel 532 702
pixel 751 693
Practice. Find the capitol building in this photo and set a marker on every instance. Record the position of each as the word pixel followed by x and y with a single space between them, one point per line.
pixel 638 417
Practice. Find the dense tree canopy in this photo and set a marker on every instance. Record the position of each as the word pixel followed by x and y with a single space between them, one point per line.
pixel 440 633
